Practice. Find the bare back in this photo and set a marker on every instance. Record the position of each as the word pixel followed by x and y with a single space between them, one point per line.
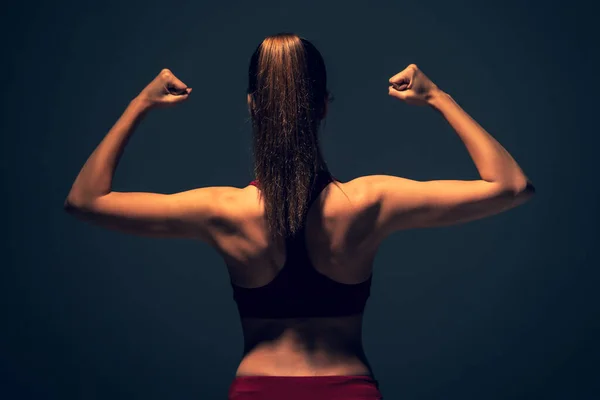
pixel 340 245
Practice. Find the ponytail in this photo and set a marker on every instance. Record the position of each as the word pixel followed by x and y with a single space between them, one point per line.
pixel 287 101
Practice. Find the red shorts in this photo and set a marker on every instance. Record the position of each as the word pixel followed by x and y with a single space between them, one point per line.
pixel 359 387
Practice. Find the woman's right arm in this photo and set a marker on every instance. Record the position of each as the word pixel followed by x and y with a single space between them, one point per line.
pixel 405 203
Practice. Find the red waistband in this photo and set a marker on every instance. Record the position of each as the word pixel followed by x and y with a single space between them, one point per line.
pixel 351 387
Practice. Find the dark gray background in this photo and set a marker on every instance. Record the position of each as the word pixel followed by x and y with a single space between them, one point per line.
pixel 501 308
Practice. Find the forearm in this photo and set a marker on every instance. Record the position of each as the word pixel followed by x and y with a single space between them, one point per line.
pixel 95 178
pixel 493 162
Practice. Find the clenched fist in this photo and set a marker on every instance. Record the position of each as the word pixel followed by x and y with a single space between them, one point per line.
pixel 412 86
pixel 165 90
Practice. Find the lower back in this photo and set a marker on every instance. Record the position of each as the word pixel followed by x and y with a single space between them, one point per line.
pixel 303 347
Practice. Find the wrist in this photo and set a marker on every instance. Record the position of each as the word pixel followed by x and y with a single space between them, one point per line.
pixel 437 97
pixel 141 104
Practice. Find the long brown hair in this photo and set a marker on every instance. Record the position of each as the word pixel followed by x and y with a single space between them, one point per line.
pixel 287 84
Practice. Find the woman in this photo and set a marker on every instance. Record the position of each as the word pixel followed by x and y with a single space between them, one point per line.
pixel 299 244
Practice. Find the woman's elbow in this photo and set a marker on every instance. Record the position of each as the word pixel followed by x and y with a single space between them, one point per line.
pixel 524 194
pixel 73 204
pixel 68 206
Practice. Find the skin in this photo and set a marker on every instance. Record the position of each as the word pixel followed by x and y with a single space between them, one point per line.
pixel 344 227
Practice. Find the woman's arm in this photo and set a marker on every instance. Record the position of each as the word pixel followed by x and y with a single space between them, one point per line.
pixel 95 178
pixel 190 214
pixel 405 203
pixel 493 162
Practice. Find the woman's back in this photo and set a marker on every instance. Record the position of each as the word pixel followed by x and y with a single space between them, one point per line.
pixel 340 245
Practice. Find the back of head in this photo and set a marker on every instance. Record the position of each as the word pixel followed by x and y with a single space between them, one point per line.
pixel 287 99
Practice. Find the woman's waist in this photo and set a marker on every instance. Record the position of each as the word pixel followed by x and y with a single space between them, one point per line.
pixel 254 367
pixel 293 360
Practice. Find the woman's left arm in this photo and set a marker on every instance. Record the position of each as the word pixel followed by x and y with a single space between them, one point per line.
pixel 189 214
